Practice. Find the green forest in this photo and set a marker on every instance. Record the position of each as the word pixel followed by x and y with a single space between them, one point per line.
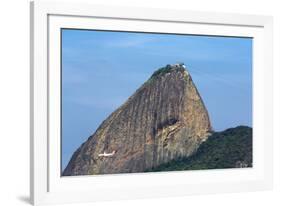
pixel 231 148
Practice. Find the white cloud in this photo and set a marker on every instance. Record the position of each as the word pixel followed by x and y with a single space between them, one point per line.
pixel 136 41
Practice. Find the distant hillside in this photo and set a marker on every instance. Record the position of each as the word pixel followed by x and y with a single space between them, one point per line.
pixel 228 149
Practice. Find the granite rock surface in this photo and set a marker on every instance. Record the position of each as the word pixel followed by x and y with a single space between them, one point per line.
pixel 165 119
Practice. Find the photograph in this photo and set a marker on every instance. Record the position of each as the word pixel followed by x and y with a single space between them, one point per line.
pixel 138 102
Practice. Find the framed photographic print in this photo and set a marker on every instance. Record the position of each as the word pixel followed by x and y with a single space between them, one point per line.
pixel 137 103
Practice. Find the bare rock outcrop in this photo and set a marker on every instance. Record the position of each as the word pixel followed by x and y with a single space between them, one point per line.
pixel 164 119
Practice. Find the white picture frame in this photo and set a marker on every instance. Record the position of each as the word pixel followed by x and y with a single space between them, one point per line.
pixel 47 185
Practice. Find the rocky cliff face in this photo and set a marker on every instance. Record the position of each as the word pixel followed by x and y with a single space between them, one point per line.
pixel 163 120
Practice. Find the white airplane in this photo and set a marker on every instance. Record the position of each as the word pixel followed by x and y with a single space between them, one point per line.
pixel 104 154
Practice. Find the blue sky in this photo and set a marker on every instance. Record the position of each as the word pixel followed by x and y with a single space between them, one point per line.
pixel 101 69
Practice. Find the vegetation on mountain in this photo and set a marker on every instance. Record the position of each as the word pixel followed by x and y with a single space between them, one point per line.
pixel 228 149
